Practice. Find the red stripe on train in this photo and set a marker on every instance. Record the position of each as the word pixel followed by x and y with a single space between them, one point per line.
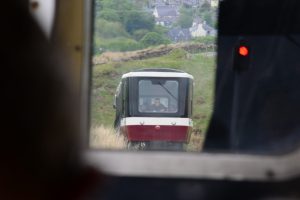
pixel 157 133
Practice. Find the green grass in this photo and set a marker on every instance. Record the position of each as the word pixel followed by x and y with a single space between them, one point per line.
pixel 107 76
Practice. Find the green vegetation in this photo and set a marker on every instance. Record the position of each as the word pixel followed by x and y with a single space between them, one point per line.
pixel 117 44
pixel 152 38
pixel 131 21
pixel 205 40
pixel 124 23
pixel 185 18
pixel 137 20
pixel 207 13
pixel 107 76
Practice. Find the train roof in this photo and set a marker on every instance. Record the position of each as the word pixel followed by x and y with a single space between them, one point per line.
pixel 158 72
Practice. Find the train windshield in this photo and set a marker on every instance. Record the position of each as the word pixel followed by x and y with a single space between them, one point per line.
pixel 158 96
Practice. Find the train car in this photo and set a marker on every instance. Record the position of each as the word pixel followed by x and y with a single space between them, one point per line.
pixel 154 109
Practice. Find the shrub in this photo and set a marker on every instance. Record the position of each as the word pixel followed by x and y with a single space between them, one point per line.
pixel 109 15
pixel 136 20
pixel 205 39
pixel 152 39
pixel 178 54
pixel 116 44
pixel 139 34
pixel 108 29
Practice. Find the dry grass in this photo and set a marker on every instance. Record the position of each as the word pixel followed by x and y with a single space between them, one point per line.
pixel 106 138
pixel 196 142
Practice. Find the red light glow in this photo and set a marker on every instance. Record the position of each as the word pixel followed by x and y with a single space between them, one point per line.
pixel 243 51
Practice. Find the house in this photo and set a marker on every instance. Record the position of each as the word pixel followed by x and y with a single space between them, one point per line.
pixel 166 21
pixel 214 3
pixel 179 34
pixel 200 28
pixel 159 3
pixel 210 31
pixel 165 11
pixel 188 3
pixel 166 15
pixel 197 30
pixel 155 3
pixel 191 3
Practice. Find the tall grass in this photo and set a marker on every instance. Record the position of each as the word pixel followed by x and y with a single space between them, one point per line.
pixel 196 142
pixel 102 137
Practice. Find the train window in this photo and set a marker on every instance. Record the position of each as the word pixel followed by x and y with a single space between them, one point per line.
pixel 161 97
pixel 147 57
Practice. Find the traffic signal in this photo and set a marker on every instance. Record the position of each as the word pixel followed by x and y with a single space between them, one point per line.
pixel 241 57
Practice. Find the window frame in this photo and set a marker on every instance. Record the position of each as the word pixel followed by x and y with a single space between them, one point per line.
pixel 161 113
pixel 182 110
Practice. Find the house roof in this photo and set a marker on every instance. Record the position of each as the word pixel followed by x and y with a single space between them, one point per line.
pixel 208 28
pixel 197 20
pixel 167 2
pixel 191 2
pixel 159 3
pixel 170 19
pixel 179 34
pixel 166 11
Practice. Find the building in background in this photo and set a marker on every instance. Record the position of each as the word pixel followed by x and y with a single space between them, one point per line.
pixel 166 15
pixel 178 34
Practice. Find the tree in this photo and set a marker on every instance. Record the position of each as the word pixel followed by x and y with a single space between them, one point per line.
pixel 185 19
pixel 210 17
pixel 152 38
pixel 205 7
pixel 122 7
pixel 107 29
pixel 139 34
pixel 137 20
pixel 160 29
pixel 97 7
pixel 109 15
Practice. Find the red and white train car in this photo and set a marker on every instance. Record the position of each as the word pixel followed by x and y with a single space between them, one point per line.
pixel 154 109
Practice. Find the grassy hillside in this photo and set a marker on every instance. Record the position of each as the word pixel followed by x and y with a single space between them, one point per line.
pixel 107 76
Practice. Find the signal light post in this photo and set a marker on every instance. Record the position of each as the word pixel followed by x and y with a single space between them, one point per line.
pixel 241 63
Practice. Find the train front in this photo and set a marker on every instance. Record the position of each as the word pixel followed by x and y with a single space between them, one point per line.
pixel 159 109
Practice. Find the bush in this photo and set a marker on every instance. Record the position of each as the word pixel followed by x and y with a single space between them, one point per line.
pixel 107 29
pixel 139 34
pixel 185 19
pixel 152 39
pixel 109 15
pixel 205 40
pixel 178 54
pixel 117 44
pixel 160 29
pixel 136 20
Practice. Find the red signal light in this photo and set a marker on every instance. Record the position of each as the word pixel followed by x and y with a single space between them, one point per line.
pixel 241 57
pixel 243 51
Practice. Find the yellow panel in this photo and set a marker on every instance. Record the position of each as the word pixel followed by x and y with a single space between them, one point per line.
pixel 68 33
